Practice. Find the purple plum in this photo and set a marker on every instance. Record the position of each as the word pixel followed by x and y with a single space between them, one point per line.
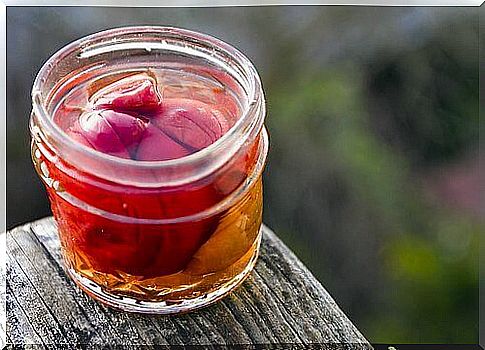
pixel 156 145
pixel 109 132
pixel 100 134
pixel 192 123
pixel 135 92
pixel 128 128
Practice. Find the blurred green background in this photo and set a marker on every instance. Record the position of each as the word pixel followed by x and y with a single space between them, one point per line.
pixel 372 176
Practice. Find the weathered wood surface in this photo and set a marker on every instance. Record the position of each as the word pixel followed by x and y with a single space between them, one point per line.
pixel 281 302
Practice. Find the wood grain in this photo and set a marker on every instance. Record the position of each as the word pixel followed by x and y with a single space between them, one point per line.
pixel 280 303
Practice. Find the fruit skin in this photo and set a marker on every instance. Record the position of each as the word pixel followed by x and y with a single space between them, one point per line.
pixel 109 132
pixel 192 123
pixel 156 145
pixel 128 128
pixel 99 134
pixel 122 114
pixel 133 93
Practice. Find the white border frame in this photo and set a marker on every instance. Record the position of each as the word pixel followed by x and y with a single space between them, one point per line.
pixel 217 3
pixel 165 3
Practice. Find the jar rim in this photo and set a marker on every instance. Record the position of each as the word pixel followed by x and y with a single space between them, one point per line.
pixel 245 124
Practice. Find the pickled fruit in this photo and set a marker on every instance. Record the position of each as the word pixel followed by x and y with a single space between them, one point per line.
pixel 119 238
pixel 135 92
pixel 193 124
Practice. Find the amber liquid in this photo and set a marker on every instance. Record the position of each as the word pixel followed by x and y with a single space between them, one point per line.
pixel 226 252
pixel 115 235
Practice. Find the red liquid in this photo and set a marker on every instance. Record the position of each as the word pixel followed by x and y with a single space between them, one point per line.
pixel 152 116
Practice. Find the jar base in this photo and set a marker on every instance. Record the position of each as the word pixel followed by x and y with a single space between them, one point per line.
pixel 128 304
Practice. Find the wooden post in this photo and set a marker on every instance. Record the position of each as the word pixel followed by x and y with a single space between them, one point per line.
pixel 281 302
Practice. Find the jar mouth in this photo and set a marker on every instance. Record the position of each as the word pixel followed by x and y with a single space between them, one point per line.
pixel 200 45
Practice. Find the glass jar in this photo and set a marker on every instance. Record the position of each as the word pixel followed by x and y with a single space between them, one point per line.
pixel 153 236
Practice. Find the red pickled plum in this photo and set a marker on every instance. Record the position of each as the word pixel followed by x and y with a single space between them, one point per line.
pixel 156 145
pixel 190 122
pixel 109 132
pixel 128 128
pixel 100 134
pixel 136 92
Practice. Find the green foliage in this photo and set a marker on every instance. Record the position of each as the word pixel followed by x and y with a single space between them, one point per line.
pixel 428 256
pixel 434 284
